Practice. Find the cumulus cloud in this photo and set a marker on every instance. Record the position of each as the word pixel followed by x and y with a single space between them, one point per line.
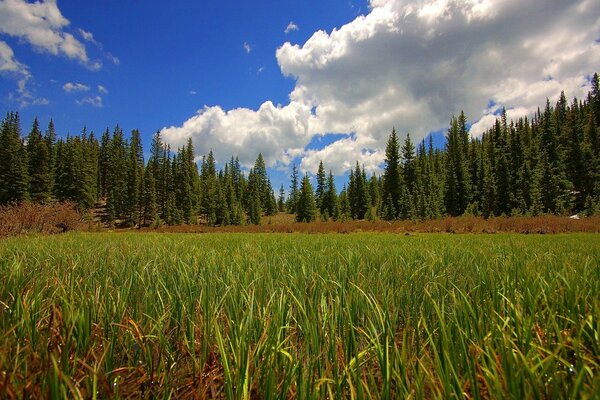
pixel 291 27
pixel 247 47
pixel 95 101
pixel 102 89
pixel 412 65
pixel 279 133
pixel 42 25
pixel 75 87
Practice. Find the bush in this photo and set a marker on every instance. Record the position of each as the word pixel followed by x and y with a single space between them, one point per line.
pixel 39 218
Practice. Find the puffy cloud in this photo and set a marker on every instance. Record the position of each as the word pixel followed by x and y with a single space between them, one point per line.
pixel 102 89
pixel 42 25
pixel 279 133
pixel 412 65
pixel 95 101
pixel 247 47
pixel 291 27
pixel 75 87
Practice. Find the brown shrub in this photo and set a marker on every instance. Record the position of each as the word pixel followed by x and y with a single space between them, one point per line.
pixel 39 218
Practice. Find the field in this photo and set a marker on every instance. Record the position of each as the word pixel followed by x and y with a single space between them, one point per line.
pixel 362 315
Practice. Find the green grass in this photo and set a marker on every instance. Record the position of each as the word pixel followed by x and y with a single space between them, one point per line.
pixel 270 316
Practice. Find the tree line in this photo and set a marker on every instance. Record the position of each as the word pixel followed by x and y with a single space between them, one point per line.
pixel 549 164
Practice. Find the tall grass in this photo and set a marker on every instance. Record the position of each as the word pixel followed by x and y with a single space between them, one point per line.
pixel 241 316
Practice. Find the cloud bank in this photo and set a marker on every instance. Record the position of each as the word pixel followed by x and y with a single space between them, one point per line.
pixel 409 65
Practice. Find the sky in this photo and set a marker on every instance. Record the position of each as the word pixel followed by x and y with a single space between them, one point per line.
pixel 298 81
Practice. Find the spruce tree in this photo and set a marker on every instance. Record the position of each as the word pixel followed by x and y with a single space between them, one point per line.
pixel 149 198
pixel 392 176
pixel 307 207
pixel 294 192
pixel 320 190
pixel 14 179
pixel 281 199
pixel 40 174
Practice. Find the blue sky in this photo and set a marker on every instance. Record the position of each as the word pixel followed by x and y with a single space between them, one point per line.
pixel 174 57
pixel 230 75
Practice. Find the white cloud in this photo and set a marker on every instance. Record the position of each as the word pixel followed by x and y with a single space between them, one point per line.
pixel 95 101
pixel 75 87
pixel 102 89
pixel 280 133
pixel 412 65
pixel 247 47
pixel 10 66
pixel 291 27
pixel 42 25
pixel 8 62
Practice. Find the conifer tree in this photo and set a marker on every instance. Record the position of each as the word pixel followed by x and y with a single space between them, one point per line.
pixel 149 198
pixel 294 192
pixel 307 207
pixel 320 190
pixel 392 176
pixel 40 175
pixel 281 199
pixel 14 179
pixel 135 178
pixel 330 204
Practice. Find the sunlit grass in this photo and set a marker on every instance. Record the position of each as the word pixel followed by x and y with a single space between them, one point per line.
pixel 303 316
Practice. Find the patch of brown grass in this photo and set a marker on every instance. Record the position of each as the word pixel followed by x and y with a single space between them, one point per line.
pixel 39 218
pixel 284 223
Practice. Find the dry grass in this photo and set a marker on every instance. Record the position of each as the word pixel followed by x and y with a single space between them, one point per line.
pixel 39 218
pixel 284 223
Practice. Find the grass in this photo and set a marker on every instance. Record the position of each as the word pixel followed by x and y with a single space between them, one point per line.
pixel 240 316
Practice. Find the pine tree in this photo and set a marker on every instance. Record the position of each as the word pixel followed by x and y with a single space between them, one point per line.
pixel 294 192
pixel 307 207
pixel 392 176
pixel 320 190
pixel 208 177
pixel 40 174
pixel 14 179
pixel 50 140
pixel 149 198
pixel 117 176
pixel 135 178
pixel 104 164
pixel 330 204
pixel 281 199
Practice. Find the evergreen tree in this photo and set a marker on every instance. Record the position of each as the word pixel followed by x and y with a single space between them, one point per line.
pixel 294 192
pixel 149 198
pixel 117 176
pixel 281 199
pixel 135 178
pixel 210 195
pixel 14 179
pixel 320 190
pixel 40 174
pixel 330 204
pixel 392 176
pixel 50 140
pixel 307 207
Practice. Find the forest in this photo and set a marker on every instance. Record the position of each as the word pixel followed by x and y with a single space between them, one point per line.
pixel 545 164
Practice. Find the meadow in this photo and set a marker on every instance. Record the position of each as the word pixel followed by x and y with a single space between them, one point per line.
pixel 324 316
